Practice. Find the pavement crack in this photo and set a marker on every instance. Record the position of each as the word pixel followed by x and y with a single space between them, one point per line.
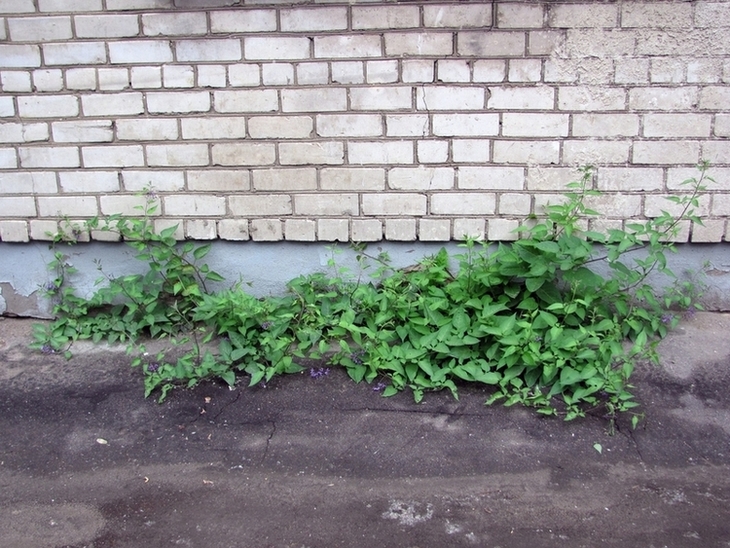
pixel 268 441
pixel 220 412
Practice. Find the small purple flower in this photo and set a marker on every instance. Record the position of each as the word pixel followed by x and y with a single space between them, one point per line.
pixel 47 349
pixel 153 367
pixel 357 357
pixel 151 195
pixel 690 313
pixel 266 325
pixel 667 318
pixel 318 372
pixel 50 286
pixel 379 387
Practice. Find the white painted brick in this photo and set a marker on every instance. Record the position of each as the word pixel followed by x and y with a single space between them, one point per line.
pixel 492 44
pixel 89 181
pixel 174 24
pixel 677 125
pixel 276 47
pixel 418 70
pixel 489 70
pixel 81 79
pixel 421 178
pixel 313 100
pixel 114 5
pixel 709 14
pixel 519 16
pixel 600 42
pixel 277 74
pixel 246 100
pixel 666 152
pixel 228 49
pixel 470 150
pixel 163 181
pixel 545 42
pixel 111 104
pixel 15 80
pixel 381 98
pixel 502 230
pixel 219 180
pixel 534 125
pixel 312 73
pixel 583 98
pixel 280 127
pixel 383 152
pixel 244 154
pixel 7 108
pixel 48 80
pixel 217 127
pixel 18 206
pixel 233 229
pixel 349 125
pixel 212 76
pixel 722 125
pixel 434 230
pixel 113 156
pixel 341 46
pixel 667 71
pixel 514 204
pixel 69 5
pixel 146 77
pixel 256 205
pixel 140 52
pixel 23 133
pixel 713 98
pixel 194 205
pixel 300 230
pixel 583 15
pixel 178 76
pixel 654 204
pixel 605 125
pixel 432 152
pixel 177 155
pixel 469 228
pixel 80 53
pixel 711 230
pixel 406 125
pixel 266 230
pixel 720 204
pixel 333 230
pixel 48 106
pixel 630 179
pixel 331 205
pixel 8 158
pixel 464 203
pixel 348 72
pixel 716 152
pixel 43 229
pixel 392 204
pixel 178 102
pixel 28 182
pixel 67 206
pixel 159 129
pixel 525 70
pixel 423 43
pixel 453 70
pixel 317 19
pixel 457 16
pixel 588 71
pixel 201 229
pixel 106 26
pixel 177 224
pixel 83 131
pixel 39 29
pixel 17 6
pixel 706 71
pixel 491 178
pixel 542 201
pixel 13 231
pixel 526 152
pixel 595 152
pixel 243 75
pixel 385 17
pixel 403 230
pixel 330 153
pixel 661 98
pixel 352 178
pixel 632 71
pixel 468 125
pixel 115 79
pixel 19 56
pixel 519 98
pixel 226 21
pixel 304 178
pixel 382 72
pixel 641 14
pixel 621 206
pixel 31 157
pixel 367 230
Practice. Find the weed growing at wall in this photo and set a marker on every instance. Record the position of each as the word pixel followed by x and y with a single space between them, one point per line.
pixel 531 319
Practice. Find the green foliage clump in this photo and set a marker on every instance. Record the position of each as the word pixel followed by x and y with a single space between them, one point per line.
pixel 530 319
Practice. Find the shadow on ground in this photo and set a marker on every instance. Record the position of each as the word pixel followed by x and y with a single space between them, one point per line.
pixel 85 461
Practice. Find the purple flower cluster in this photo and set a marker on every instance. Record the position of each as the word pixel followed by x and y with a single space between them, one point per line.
pixel 690 313
pixel 318 372
pixel 153 367
pixel 47 349
pixel 266 325
pixel 357 357
pixel 379 387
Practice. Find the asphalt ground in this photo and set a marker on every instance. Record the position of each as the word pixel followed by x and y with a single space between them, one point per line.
pixel 86 461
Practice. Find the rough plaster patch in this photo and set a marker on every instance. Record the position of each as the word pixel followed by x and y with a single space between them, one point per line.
pixel 409 512
pixel 27 526
pixel 695 411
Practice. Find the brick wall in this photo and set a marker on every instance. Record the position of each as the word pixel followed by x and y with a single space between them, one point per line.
pixel 271 120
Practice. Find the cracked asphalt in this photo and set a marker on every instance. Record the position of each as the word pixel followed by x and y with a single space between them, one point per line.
pixel 86 461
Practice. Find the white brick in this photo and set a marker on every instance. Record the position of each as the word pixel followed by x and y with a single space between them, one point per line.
pixel 526 152
pixel 589 71
pixel 209 50
pixel 470 150
pixel 312 73
pixel 595 152
pixel 654 14
pixel 712 231
pixel 469 228
pixel 163 181
pixel 605 125
pixel 266 230
pixel 326 205
pixel 259 100
pixel 714 98
pixel 665 71
pixel 233 229
pixel 244 154
pixel 422 43
pixel 311 153
pixel 146 77
pixel 89 181
pixel 519 15
pixel 367 230
pixel 177 224
pixel 48 80
pixel 276 48
pixel 217 127
pixel 677 125
pixel 434 230
pixel 716 152
pixel 317 19
pixel 300 230
pixel 241 21
pixel 458 16
pixel 722 125
pixel 112 104
pixel 591 99
pixel 632 71
pixel 113 156
pixel 177 155
pixel 8 158
pixel 257 205
pixel 201 229
pixel 333 47
pixel 23 133
pixel 80 53
pixel 115 79
pixel 67 5
pixel 43 229
pixel 194 205
pixel 534 125
pixel 471 203
pixel 348 72
pixel 654 204
pixel 81 79
pixel 242 75
pixel 158 129
pixel 352 178
pixel 17 56
pixel 17 6
pixel 614 205
pixel 219 180
pixel 432 152
pixel 385 17
pixel 630 179
pixel 28 182
pixel 502 230
pixel 391 204
pixel 178 76
pixel 174 24
pixel 381 72
pixel 491 178
pixel 660 98
pixel 212 76
pixel 706 71
pixel 421 178
pixel 583 15
pixel 333 230
pixel 514 204
pixel 350 125
pixel 48 106
pixel 525 70
pixel 15 80
pixel 67 206
pixel 20 206
pixel 140 52
pixel 403 230
pixel 277 74
pixel 720 204
pixel 39 29
pixel 280 127
pixel 666 152
pixel 518 98
pixel 313 100
pixel 469 125
pixel 381 98
pixel 106 26
pixel 285 179
pixel 418 70
pixel 600 42
pixel 546 42
pixel 406 125
pixel 178 102
pixel 491 44
pixel 384 152
pixel 93 131
pixel 449 98
pixel 14 231
pixel 7 108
